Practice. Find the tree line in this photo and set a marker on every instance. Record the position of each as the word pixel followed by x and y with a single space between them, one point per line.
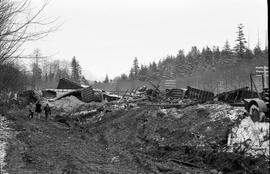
pixel 208 59
pixel 44 73
pixel 19 23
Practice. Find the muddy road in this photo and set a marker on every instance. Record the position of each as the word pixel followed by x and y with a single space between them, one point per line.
pixel 142 140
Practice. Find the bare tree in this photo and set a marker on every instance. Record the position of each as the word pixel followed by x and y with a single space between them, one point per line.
pixel 19 23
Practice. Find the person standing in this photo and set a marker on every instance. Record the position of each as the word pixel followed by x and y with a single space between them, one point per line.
pixel 47 110
pixel 38 109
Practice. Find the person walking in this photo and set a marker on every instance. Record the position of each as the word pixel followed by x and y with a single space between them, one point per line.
pixel 47 110
pixel 31 111
pixel 38 109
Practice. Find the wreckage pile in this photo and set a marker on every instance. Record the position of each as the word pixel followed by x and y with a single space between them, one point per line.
pixel 226 123
pixel 176 131
pixel 191 140
pixel 221 117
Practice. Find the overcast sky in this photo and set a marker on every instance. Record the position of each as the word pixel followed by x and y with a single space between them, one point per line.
pixel 106 35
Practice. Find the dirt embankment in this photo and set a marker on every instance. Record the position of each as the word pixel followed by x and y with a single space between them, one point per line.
pixel 144 140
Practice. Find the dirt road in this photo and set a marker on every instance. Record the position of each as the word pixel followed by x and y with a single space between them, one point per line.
pixel 135 141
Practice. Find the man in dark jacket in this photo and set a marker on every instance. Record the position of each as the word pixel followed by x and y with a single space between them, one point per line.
pixel 31 111
pixel 38 109
pixel 47 110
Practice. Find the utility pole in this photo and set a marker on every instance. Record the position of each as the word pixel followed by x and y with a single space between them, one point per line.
pixel 36 57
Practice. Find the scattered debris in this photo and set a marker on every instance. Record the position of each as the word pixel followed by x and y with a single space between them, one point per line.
pixel 249 137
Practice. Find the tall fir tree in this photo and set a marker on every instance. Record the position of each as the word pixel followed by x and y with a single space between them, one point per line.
pixel 257 50
pixel 180 66
pixel 240 47
pixel 226 49
pixel 106 79
pixel 143 73
pixel 75 70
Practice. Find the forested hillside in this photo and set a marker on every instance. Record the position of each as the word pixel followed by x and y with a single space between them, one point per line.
pixel 228 67
pixel 197 61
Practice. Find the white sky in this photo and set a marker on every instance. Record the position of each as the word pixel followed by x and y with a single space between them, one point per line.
pixel 106 35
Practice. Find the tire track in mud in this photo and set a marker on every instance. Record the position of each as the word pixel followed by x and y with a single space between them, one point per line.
pixel 99 129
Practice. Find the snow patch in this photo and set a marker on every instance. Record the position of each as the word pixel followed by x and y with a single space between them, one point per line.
pixel 218 111
pixel 4 135
pixel 251 137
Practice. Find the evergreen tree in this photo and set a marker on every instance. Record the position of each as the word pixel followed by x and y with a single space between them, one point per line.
pixel 257 50
pixel 216 56
pixel 106 79
pixel 131 75
pixel 136 66
pixel 153 71
pixel 193 59
pixel 143 73
pixel 180 66
pixel 123 77
pixel 240 47
pixel 227 56
pixel 207 56
pixel 248 54
pixel 84 81
pixel 226 49
pixel 75 70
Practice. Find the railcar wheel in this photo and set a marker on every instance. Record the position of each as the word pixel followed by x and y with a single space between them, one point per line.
pixel 254 112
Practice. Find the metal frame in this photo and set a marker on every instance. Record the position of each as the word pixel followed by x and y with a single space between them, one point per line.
pixel 252 83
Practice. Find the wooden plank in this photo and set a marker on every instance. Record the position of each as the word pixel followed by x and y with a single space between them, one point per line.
pixel 261 67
